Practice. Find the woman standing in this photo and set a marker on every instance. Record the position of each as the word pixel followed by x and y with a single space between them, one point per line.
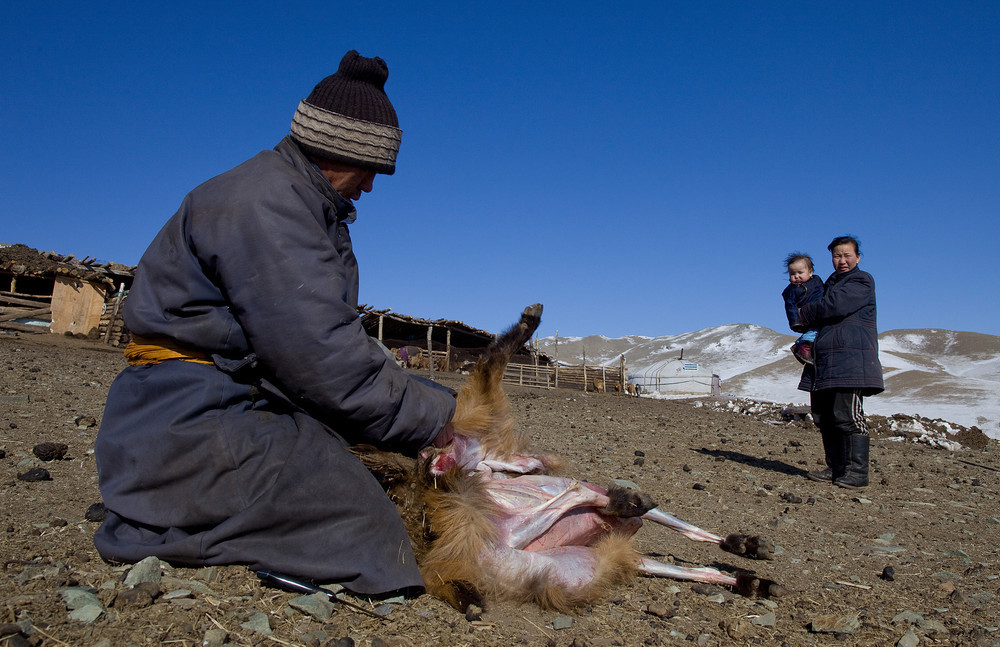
pixel 846 366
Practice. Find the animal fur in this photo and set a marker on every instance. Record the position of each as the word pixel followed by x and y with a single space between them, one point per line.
pixel 449 500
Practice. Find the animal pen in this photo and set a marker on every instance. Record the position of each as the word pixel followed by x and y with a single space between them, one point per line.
pixel 581 377
pixel 42 292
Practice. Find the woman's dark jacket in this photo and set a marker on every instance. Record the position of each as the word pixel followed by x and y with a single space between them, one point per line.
pixel 797 295
pixel 846 348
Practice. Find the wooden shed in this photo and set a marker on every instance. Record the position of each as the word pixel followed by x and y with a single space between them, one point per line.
pixel 49 292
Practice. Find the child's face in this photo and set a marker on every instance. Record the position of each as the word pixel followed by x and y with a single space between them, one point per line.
pixel 799 272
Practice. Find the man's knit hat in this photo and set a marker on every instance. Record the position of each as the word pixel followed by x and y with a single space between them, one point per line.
pixel 348 117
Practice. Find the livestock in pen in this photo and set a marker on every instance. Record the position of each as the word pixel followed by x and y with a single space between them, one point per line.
pixel 489 518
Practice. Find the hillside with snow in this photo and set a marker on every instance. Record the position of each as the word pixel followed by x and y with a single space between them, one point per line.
pixel 943 374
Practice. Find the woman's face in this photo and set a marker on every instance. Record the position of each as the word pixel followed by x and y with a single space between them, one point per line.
pixel 845 258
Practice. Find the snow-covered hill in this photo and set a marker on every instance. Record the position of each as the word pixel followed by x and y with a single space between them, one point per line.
pixel 943 374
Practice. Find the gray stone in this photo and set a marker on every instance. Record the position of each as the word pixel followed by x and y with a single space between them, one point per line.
pixel 215 637
pixel 960 553
pixel 177 594
pixel 946 575
pixel 562 622
pixel 79 597
pixel 317 605
pixel 258 622
pixel 882 550
pixel 909 639
pixel 148 570
pixel 930 626
pixel 625 483
pixel 88 613
pixel 909 617
pixel 835 624
pixel 766 620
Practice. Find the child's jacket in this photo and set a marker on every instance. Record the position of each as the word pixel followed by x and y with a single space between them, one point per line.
pixel 796 296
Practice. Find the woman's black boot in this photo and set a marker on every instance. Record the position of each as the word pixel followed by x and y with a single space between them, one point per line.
pixel 857 462
pixel 835 452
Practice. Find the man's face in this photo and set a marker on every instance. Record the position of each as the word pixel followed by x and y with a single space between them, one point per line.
pixel 845 258
pixel 350 182
pixel 799 272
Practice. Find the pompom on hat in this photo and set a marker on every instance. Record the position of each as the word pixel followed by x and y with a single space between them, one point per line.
pixel 348 117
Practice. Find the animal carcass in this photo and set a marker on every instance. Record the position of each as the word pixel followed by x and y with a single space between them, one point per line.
pixel 490 518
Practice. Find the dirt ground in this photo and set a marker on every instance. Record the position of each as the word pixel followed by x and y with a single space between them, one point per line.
pixel 930 515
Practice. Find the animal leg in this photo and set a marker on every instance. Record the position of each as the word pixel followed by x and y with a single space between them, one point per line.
pixel 692 532
pixel 750 546
pixel 527 524
pixel 745 583
pixel 482 409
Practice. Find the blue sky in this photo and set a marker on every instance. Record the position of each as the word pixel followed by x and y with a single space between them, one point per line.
pixel 641 169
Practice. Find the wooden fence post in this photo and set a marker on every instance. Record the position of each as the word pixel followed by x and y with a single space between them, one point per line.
pixel 557 359
pixel 430 353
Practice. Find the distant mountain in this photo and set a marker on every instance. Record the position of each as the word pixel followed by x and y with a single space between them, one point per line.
pixel 943 374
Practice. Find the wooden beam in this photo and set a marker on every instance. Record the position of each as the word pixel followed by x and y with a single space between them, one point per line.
pixel 37 312
pixel 17 300
pixel 10 325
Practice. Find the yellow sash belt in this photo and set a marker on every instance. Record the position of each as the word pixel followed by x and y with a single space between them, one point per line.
pixel 153 350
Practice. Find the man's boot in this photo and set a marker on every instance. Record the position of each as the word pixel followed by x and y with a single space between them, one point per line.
pixel 835 452
pixel 857 463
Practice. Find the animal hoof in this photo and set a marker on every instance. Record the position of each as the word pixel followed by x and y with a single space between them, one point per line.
pixel 750 585
pixel 753 546
pixel 627 503
pixel 530 318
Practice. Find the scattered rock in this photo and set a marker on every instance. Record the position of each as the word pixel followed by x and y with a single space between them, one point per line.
pixel 215 637
pixel 96 512
pixel 258 622
pixel 735 628
pixel 562 622
pixel 35 474
pixel 50 451
pixel 86 422
pixel 82 603
pixel 660 610
pixel 888 574
pixel 909 639
pixel 835 624
pixel 138 598
pixel 148 570
pixel 317 605
pixel 765 620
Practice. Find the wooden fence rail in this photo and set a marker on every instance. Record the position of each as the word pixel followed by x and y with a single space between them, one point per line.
pixel 581 377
